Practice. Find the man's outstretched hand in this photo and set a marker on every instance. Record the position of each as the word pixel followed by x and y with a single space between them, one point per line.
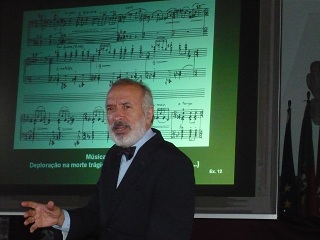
pixel 42 215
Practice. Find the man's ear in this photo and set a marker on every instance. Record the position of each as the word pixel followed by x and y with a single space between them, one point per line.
pixel 149 117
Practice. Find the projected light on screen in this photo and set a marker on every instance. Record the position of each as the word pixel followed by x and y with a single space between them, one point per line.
pixel 71 56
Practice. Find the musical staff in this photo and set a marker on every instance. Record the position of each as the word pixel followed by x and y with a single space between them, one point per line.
pixel 139 15
pixel 75 127
pixel 101 96
pixel 70 58
pixel 116 36
pixel 80 80
pixel 117 55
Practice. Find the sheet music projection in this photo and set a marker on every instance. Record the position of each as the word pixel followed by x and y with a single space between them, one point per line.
pixel 70 57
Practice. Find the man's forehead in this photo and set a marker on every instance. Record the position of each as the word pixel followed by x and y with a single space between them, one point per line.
pixel 111 101
pixel 118 98
pixel 124 92
pixel 122 99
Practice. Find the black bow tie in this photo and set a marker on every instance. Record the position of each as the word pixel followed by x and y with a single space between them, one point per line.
pixel 128 152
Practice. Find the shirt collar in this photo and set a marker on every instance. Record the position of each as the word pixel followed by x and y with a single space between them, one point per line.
pixel 149 134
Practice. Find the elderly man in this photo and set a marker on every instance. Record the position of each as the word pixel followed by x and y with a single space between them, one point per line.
pixel 146 186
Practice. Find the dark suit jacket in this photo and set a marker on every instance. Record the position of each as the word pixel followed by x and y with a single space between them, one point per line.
pixel 154 201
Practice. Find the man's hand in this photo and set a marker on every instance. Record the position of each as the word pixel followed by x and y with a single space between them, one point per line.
pixel 42 215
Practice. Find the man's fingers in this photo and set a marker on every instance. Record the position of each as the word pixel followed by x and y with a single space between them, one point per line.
pixel 50 205
pixel 33 228
pixel 29 204
pixel 29 213
pixel 27 222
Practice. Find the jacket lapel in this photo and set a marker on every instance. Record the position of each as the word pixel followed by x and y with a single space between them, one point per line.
pixel 139 164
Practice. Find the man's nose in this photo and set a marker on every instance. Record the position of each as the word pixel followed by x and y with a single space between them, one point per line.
pixel 118 114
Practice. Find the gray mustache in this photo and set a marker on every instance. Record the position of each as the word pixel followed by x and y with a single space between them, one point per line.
pixel 119 124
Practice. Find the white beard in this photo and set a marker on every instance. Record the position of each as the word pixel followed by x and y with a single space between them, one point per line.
pixel 137 132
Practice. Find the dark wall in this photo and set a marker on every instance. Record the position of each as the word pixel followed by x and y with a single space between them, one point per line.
pixel 204 229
